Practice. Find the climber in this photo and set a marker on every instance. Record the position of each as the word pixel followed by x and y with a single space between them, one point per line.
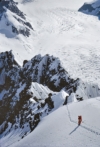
pixel 79 119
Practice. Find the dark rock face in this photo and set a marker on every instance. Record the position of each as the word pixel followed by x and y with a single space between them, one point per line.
pixel 17 15
pixel 86 7
pixel 15 89
pixel 91 9
pixel 48 71
pixel 9 74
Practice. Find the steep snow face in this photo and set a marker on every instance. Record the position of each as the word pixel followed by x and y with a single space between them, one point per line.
pixel 72 98
pixel 87 90
pixel 40 91
pixel 59 99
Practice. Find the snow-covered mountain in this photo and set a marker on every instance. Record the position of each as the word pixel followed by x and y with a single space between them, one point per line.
pixel 70 36
pixel 23 100
pixel 55 60
pixel 12 20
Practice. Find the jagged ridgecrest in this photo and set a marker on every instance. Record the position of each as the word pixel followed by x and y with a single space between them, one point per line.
pixel 22 101
pixel 48 70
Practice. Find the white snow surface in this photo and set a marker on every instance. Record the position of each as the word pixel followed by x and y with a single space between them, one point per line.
pixel 40 91
pixel 60 129
pixel 59 30
pixel 59 99
pixel 72 98
pixel 62 31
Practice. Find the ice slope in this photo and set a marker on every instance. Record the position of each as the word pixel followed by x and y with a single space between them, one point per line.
pixel 61 30
pixel 60 129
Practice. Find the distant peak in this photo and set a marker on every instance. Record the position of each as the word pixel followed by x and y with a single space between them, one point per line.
pixel 13 19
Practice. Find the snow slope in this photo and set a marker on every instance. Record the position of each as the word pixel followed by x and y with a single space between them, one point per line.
pixel 61 30
pixel 14 133
pixel 60 127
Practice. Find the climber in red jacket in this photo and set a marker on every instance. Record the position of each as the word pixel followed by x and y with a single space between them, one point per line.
pixel 79 119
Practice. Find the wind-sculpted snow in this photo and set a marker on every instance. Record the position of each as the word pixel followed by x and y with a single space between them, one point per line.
pixel 92 8
pixel 12 20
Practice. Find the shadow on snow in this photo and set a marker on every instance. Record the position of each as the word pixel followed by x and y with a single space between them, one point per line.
pixel 73 130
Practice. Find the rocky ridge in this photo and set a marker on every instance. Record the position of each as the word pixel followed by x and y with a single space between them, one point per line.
pixel 23 98
pixel 12 19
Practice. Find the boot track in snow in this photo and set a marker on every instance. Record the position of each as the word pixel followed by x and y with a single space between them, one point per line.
pixel 85 127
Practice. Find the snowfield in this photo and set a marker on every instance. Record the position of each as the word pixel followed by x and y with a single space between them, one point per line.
pixel 60 129
pixel 59 29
